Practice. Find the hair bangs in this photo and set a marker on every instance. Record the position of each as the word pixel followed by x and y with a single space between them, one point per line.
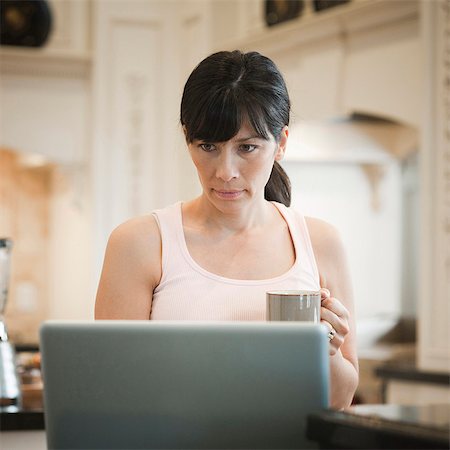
pixel 217 119
pixel 257 119
pixel 220 117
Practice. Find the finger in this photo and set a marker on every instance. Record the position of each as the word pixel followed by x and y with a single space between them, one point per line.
pixel 333 321
pixel 335 339
pixel 327 324
pixel 324 293
pixel 332 333
pixel 336 306
pixel 338 323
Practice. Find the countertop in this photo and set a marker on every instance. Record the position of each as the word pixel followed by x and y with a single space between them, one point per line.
pixel 382 426
pixel 27 413
pixel 19 418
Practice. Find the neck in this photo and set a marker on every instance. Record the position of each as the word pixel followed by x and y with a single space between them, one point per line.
pixel 235 219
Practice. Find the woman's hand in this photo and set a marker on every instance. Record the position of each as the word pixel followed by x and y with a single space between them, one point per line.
pixel 336 317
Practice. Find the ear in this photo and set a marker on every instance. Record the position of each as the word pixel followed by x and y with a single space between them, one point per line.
pixel 281 145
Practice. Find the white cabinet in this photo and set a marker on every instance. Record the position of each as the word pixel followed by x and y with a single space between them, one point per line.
pixel 361 56
pixel 54 81
pixel 382 70
pixel 71 27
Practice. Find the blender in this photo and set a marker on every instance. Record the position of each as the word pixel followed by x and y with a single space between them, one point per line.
pixel 9 384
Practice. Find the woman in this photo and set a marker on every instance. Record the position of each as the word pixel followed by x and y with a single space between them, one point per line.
pixel 215 257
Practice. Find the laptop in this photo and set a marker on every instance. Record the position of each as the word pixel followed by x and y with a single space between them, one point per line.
pixel 182 385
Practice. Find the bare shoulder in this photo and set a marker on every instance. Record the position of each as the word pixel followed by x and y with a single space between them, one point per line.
pixel 328 248
pixel 138 242
pixel 325 237
pixel 136 232
pixel 131 270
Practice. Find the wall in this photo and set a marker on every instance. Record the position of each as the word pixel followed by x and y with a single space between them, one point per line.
pixel 25 193
pixel 45 211
pixel 71 279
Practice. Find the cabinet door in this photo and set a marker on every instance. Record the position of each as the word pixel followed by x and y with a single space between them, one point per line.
pixel 143 51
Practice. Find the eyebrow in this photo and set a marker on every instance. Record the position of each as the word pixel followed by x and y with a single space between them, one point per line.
pixel 257 136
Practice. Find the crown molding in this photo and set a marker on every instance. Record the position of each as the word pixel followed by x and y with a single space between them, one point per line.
pixel 42 62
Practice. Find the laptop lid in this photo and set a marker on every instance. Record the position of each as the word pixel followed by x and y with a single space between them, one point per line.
pixel 148 384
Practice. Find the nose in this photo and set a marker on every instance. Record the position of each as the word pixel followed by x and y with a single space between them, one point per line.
pixel 227 166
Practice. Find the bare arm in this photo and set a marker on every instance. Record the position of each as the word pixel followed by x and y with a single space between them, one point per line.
pixel 131 271
pixel 337 310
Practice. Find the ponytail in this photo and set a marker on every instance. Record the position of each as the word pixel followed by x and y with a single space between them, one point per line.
pixel 278 188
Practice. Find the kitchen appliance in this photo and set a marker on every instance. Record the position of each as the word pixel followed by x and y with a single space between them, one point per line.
pixel 9 384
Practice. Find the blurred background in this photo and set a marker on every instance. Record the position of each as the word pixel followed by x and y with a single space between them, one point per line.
pixel 89 136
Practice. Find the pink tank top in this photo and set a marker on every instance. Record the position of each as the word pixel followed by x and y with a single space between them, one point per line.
pixel 189 292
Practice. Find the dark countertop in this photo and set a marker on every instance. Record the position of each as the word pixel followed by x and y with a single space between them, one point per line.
pixel 27 412
pixel 18 418
pixel 382 427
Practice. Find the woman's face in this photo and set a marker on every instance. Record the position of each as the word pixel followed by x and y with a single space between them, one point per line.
pixel 235 172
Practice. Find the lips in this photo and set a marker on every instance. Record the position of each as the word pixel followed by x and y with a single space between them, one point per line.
pixel 228 194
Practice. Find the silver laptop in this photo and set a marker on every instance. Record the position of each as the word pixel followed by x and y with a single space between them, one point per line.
pixel 182 385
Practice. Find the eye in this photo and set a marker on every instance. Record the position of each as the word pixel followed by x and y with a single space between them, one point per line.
pixel 247 148
pixel 207 147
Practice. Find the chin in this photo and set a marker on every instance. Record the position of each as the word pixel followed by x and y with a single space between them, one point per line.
pixel 227 204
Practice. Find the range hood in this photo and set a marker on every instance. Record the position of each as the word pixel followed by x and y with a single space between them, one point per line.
pixel 358 139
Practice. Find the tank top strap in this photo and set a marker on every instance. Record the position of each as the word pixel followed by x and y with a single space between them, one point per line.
pixel 170 225
pixel 298 228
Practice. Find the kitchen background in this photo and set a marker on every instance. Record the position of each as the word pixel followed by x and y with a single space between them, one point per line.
pixel 89 136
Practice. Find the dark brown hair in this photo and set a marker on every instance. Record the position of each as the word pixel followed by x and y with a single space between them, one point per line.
pixel 227 88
